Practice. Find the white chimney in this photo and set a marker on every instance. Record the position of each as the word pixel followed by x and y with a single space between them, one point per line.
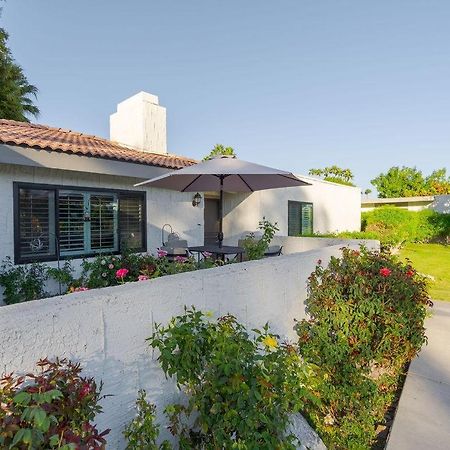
pixel 140 122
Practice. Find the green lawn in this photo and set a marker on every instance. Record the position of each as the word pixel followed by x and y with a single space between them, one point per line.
pixel 434 260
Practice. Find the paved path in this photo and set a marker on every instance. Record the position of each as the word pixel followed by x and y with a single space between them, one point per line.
pixel 422 421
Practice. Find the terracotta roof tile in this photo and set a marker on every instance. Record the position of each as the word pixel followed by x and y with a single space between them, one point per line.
pixel 67 141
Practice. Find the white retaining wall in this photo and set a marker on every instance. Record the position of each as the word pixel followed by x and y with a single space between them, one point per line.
pixel 105 329
pixel 293 244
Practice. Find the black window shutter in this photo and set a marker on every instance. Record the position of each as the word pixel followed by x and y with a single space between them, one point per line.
pixel 294 222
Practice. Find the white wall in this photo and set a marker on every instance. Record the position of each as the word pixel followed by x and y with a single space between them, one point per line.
pixel 105 329
pixel 305 244
pixel 335 208
pixel 410 206
pixel 441 204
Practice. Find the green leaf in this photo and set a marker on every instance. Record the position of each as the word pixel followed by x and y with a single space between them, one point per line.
pixel 23 435
pixel 54 440
pixel 22 398
pixel 41 419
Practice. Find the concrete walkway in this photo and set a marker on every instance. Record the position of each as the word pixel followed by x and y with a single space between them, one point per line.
pixel 423 415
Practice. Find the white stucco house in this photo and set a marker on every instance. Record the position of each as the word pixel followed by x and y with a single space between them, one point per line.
pixel 65 194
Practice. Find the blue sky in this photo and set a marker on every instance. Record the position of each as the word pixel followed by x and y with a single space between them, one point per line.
pixel 294 83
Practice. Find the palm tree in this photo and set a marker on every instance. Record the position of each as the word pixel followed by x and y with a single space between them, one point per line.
pixel 16 94
pixel 220 150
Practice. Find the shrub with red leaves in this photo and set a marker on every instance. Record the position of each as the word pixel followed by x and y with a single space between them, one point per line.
pixel 53 409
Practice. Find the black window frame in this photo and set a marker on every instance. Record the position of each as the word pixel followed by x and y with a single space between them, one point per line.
pixel 17 185
pixel 302 204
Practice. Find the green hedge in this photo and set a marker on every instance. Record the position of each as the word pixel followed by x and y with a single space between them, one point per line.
pixel 395 226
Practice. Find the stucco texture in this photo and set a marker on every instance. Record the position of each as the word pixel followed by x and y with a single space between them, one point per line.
pixel 105 329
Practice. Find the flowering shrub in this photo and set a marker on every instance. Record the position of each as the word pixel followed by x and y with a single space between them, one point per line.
pixel 366 323
pixel 240 388
pixel 53 409
pixel 23 283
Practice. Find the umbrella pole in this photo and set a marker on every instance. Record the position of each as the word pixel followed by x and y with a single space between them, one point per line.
pixel 220 234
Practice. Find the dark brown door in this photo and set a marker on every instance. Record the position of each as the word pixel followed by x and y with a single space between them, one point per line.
pixel 211 220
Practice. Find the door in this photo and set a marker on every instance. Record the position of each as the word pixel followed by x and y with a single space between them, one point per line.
pixel 211 220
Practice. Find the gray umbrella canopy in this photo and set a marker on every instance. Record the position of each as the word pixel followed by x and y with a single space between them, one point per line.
pixel 225 174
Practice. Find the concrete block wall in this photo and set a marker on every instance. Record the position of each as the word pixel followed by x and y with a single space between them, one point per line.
pixel 105 329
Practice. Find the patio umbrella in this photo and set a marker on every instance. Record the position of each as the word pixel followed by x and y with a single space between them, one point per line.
pixel 225 174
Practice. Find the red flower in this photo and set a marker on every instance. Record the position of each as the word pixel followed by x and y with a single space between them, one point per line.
pixel 122 273
pixel 385 272
pixel 85 390
pixel 410 273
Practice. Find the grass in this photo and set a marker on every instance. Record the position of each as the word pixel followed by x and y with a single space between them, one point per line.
pixel 434 260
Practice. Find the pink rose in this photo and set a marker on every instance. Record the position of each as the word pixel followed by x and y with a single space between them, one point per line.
pixel 161 253
pixel 180 259
pixel 207 254
pixel 143 278
pixel 122 273
pixel 80 289
pixel 385 272
pixel 111 266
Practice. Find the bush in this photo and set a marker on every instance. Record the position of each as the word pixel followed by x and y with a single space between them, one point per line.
pixel 255 248
pixel 27 282
pixel 112 270
pixel 240 389
pixel 366 323
pixel 63 275
pixel 22 283
pixel 142 432
pixel 394 226
pixel 53 409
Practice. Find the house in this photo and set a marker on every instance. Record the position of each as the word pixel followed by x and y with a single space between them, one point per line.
pixel 439 203
pixel 65 194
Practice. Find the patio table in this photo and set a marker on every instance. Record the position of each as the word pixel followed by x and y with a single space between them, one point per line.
pixel 218 251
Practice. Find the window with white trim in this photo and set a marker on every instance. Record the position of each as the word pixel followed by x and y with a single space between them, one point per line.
pixel 300 218
pixel 77 222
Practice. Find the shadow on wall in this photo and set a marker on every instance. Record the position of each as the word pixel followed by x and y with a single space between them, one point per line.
pixel 120 376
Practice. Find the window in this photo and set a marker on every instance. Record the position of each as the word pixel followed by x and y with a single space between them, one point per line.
pixel 300 218
pixel 78 222
pixel 36 223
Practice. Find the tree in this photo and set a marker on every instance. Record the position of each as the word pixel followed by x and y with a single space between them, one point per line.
pixel 334 174
pixel 368 191
pixel 410 182
pixel 16 94
pixel 219 150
